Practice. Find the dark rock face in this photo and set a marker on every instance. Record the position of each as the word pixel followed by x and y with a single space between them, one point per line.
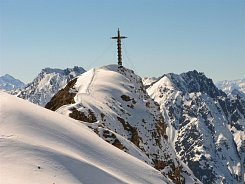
pixel 204 125
pixel 123 114
pixel 63 97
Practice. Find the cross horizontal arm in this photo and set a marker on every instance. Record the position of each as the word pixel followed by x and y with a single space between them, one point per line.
pixel 121 37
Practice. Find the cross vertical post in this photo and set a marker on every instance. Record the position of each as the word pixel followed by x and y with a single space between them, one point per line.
pixel 119 48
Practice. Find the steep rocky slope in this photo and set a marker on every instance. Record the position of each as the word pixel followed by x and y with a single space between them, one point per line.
pixel 205 126
pixel 46 84
pixel 116 106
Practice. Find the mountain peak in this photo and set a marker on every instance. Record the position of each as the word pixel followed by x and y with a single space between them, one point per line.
pixel 205 126
pixel 8 83
pixel 194 81
pixel 7 76
pixel 114 103
pixel 47 83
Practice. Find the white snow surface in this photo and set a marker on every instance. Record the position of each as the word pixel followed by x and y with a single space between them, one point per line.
pixel 41 146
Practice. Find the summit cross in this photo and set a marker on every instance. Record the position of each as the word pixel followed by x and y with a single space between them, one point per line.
pixel 119 48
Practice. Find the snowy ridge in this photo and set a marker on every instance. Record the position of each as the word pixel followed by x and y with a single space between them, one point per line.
pixel 8 83
pixel 205 126
pixel 113 101
pixel 40 146
pixel 47 83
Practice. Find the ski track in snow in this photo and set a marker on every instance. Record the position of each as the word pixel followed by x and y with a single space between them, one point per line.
pixel 85 89
pixel 91 81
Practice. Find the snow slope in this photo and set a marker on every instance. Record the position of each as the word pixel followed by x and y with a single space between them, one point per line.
pixel 8 83
pixel 47 83
pixel 205 126
pixel 41 146
pixel 114 102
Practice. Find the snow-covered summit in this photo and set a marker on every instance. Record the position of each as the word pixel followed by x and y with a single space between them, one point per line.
pixel 205 126
pixel 8 83
pixel 47 83
pixel 39 146
pixel 114 102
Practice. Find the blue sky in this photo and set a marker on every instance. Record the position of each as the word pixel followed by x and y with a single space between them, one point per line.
pixel 163 36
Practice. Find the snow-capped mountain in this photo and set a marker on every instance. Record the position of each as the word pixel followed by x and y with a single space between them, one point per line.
pixel 40 146
pixel 228 86
pixel 47 83
pixel 8 83
pixel 205 126
pixel 113 101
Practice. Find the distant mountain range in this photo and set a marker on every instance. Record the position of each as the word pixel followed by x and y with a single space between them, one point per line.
pixel 48 82
pixel 8 83
pixel 229 85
